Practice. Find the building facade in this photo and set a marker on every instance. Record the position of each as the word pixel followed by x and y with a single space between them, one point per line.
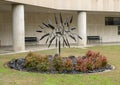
pixel 20 19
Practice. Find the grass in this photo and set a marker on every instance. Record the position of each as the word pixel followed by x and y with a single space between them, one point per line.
pixel 13 77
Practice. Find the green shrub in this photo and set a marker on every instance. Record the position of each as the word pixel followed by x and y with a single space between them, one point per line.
pixel 38 62
pixel 81 65
pixel 96 59
pixel 30 60
pixel 43 65
pixel 91 61
pixel 68 65
pixel 58 64
pixel 104 61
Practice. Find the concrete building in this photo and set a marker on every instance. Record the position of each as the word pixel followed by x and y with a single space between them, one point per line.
pixel 20 19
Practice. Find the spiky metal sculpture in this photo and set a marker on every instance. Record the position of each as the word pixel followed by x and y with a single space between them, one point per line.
pixel 60 32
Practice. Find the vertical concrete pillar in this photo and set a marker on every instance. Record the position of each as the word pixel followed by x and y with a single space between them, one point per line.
pixel 82 28
pixel 18 27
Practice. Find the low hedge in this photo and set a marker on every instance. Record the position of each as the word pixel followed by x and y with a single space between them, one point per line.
pixel 92 60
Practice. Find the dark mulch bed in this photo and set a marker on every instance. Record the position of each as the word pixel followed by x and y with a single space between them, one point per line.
pixel 19 64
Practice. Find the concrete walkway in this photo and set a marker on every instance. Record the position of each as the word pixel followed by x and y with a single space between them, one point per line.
pixel 5 50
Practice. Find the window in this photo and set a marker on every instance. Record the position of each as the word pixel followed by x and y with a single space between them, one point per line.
pixel 118 30
pixel 112 20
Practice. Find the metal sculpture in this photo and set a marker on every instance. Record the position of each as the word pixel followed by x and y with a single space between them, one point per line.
pixel 60 32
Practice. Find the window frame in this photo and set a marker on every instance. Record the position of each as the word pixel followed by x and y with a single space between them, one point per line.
pixel 118 30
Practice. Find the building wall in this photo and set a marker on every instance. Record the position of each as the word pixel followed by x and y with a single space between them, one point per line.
pixel 5 28
pixel 87 5
pixel 35 19
pixel 96 26
pixel 32 20
pixel 42 3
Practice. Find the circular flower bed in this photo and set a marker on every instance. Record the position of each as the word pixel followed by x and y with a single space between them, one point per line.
pixel 90 63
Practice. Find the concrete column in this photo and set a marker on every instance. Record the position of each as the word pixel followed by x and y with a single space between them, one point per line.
pixel 18 27
pixel 82 28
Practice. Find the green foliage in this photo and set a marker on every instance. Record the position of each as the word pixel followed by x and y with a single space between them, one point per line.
pixel 104 61
pixel 96 59
pixel 43 65
pixel 68 65
pixel 81 65
pixel 31 60
pixel 58 64
pixel 91 61
pixel 38 62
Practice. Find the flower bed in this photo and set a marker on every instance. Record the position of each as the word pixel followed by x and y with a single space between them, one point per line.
pixel 90 63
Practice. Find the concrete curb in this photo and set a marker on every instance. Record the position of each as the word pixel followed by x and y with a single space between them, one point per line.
pixel 113 68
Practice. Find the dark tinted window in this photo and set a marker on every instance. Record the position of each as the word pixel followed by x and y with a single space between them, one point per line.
pixel 112 20
pixel 118 30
